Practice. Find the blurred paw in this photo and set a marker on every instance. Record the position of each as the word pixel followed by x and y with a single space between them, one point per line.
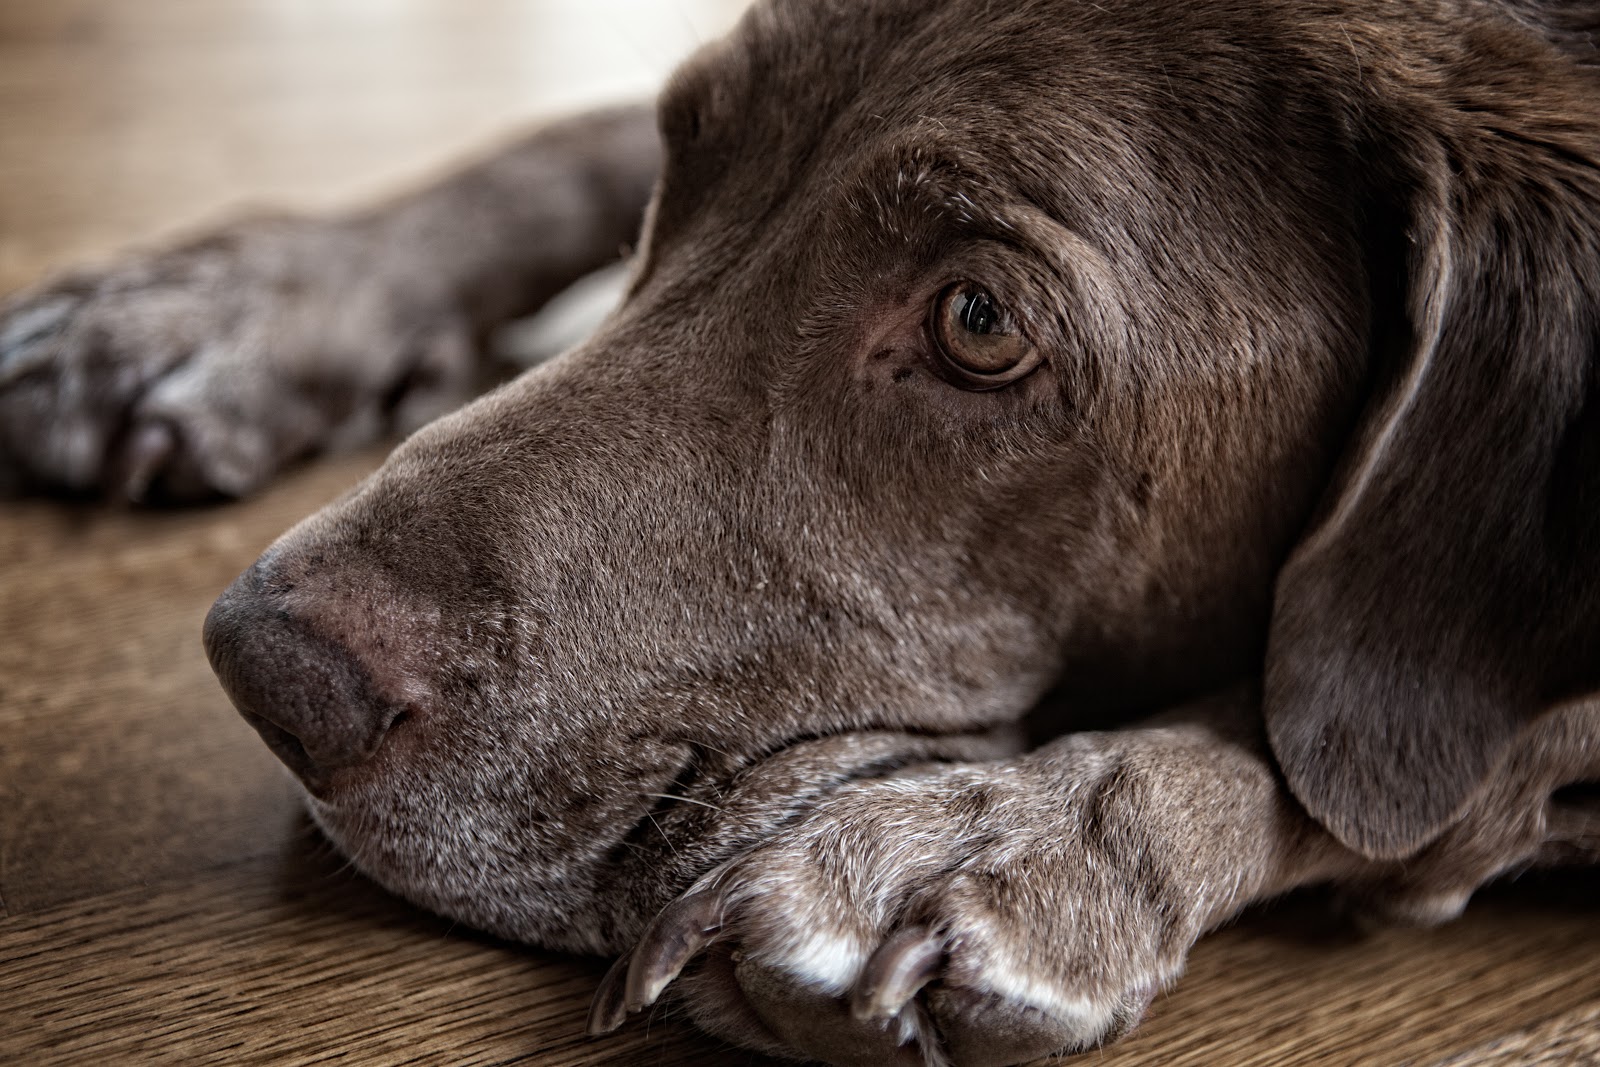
pixel 201 370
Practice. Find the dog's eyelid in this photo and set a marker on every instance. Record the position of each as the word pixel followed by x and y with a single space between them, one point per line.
pixel 1062 289
pixel 995 267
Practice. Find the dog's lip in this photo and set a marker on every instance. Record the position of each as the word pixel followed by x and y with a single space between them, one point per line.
pixel 328 787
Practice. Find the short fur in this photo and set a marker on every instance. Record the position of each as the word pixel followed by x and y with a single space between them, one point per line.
pixel 735 609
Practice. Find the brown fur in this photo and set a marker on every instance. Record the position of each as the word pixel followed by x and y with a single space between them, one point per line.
pixel 737 606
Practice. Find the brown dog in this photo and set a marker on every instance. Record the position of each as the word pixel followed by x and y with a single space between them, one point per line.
pixel 1235 357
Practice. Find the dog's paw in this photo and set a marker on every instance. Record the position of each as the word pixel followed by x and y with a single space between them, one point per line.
pixel 201 370
pixel 966 916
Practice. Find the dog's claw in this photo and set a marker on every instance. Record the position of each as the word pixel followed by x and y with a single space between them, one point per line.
pixel 896 972
pixel 609 1010
pixel 677 935
pixel 682 931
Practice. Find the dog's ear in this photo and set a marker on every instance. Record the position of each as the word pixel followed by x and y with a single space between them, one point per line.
pixel 1446 590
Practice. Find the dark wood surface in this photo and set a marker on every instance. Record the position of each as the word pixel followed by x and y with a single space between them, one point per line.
pixel 163 900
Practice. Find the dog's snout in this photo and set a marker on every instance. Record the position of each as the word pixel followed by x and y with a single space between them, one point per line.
pixel 307 696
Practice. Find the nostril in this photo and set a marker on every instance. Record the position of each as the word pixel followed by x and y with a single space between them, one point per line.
pixel 286 746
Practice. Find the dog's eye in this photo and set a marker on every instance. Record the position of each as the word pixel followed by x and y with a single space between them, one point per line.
pixel 978 339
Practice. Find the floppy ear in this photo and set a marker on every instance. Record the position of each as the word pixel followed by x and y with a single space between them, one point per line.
pixel 1447 590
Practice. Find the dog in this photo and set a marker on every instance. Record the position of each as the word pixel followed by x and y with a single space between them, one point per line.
pixel 1218 373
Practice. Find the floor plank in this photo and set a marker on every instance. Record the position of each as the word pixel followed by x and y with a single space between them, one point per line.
pixel 162 898
pixel 293 959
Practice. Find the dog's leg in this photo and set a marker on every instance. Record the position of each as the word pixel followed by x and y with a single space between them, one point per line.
pixel 990 913
pixel 1541 807
pixel 202 369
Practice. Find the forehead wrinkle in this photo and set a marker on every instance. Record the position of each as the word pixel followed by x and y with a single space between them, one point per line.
pixel 918 180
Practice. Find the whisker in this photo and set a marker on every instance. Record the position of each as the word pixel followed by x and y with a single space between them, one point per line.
pixel 662 832
pixel 686 800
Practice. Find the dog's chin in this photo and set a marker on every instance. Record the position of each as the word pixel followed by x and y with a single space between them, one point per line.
pixel 486 873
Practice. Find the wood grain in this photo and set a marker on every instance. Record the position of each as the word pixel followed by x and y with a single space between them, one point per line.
pixel 162 900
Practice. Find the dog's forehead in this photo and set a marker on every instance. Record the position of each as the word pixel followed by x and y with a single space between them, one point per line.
pixel 1089 110
pixel 813 58
pixel 793 68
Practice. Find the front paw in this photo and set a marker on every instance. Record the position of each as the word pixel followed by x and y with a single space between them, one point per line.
pixel 955 917
pixel 201 370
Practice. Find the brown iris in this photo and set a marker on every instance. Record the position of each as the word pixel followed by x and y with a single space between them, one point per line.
pixel 979 341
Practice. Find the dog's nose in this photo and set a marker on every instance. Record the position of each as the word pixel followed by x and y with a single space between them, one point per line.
pixel 307 697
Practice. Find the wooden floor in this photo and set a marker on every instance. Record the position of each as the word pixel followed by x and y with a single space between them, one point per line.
pixel 162 899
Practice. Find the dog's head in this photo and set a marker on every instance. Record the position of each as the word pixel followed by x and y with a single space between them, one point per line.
pixel 975 350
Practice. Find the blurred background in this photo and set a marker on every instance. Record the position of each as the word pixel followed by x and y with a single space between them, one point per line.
pixel 124 120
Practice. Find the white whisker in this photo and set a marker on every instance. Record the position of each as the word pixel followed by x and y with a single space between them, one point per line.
pixel 686 800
